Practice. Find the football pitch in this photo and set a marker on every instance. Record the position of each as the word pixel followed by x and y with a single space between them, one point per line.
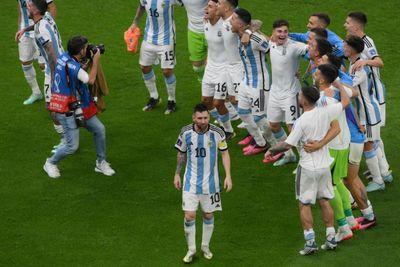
pixel 134 218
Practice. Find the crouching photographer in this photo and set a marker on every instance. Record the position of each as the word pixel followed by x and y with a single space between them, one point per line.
pixel 73 106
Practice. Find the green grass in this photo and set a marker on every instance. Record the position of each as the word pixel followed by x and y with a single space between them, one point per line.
pixel 135 217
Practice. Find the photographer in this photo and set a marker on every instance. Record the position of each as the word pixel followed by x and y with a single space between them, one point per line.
pixel 73 105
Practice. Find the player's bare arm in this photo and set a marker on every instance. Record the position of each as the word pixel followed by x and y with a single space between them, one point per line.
pixel 226 161
pixel 139 13
pixel 180 161
pixel 314 145
pixel 375 62
pixel 52 58
pixel 278 148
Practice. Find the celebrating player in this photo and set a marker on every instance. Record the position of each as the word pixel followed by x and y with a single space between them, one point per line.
pixel 313 178
pixel 199 144
pixel 255 86
pixel 368 112
pixel 196 40
pixel 213 87
pixel 158 42
pixel 283 103
pixel 28 49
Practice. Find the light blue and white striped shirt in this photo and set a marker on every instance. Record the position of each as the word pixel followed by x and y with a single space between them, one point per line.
pixel 201 173
pixel 160 25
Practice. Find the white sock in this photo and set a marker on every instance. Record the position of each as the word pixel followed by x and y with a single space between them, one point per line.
pixel 232 110
pixel 309 236
pixel 208 228
pixel 373 165
pixel 226 122
pixel 30 76
pixel 150 82
pixel 252 128
pixel 214 113
pixel 330 232
pixel 263 124
pixel 344 228
pixel 368 213
pixel 170 82
pixel 383 164
pixel 190 233
pixel 60 130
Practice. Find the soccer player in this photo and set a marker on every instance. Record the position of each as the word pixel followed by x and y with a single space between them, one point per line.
pixel 48 40
pixel 158 43
pixel 283 103
pixel 321 20
pixel 357 138
pixel 213 87
pixel 196 40
pixel 28 49
pixel 255 86
pixel 313 178
pixel 355 24
pixel 199 143
pixel 234 69
pixel 325 79
pixel 368 112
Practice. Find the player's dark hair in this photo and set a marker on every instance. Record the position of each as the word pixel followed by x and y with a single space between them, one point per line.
pixel 360 17
pixel 75 44
pixel 320 33
pixel 334 60
pixel 215 1
pixel 311 93
pixel 355 42
pixel 323 46
pixel 233 3
pixel 279 23
pixel 243 15
pixel 323 17
pixel 329 71
pixel 200 108
pixel 41 5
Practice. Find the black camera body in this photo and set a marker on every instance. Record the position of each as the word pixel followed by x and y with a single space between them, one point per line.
pixel 92 49
pixel 78 113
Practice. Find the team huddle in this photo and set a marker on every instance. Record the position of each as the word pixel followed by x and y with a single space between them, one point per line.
pixel 332 120
pixel 229 54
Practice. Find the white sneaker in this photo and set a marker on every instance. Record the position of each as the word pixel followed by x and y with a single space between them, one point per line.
pixel 189 256
pixel 207 253
pixel 51 169
pixel 343 233
pixel 104 168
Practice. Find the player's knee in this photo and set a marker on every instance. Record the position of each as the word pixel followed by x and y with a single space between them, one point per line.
pixel 275 127
pixel 167 72
pixel 190 216
pixel 26 62
pixel 208 216
pixel 208 101
pixel 219 104
pixel 42 66
pixel 145 69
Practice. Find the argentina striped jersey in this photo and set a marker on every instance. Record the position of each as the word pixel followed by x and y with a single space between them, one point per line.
pixel 201 173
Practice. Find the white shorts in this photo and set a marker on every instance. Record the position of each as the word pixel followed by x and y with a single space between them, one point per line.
pixel 283 110
pixel 235 73
pixel 208 202
pixel 214 82
pixel 356 153
pixel 252 99
pixel 372 133
pixel 382 109
pixel 313 185
pixel 149 54
pixel 27 49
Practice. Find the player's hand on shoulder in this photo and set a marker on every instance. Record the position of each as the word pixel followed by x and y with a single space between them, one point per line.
pixel 359 64
pixel 228 184
pixel 177 181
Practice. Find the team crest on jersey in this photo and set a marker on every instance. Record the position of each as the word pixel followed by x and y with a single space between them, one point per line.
pixel 372 52
pixel 264 45
pixel 219 34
